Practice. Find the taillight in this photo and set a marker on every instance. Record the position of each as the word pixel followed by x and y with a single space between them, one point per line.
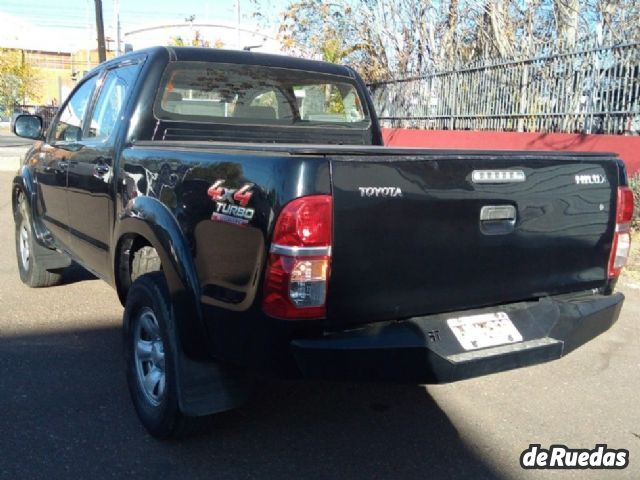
pixel 622 237
pixel 297 273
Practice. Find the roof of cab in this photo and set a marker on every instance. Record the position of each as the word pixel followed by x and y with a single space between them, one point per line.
pixel 197 54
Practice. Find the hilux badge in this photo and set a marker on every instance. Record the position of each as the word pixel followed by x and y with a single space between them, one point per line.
pixel 590 179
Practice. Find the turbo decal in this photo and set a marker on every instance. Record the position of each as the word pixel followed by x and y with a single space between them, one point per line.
pixel 231 203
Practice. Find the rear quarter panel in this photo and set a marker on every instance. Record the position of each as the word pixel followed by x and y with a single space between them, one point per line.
pixel 228 258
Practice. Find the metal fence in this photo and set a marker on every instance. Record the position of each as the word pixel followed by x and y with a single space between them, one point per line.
pixel 591 90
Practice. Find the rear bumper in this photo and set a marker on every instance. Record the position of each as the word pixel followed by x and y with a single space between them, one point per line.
pixel 424 349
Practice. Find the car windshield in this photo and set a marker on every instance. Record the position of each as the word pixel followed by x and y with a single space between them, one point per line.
pixel 253 94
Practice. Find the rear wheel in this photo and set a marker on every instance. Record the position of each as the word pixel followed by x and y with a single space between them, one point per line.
pixel 150 353
pixel 145 260
pixel 32 257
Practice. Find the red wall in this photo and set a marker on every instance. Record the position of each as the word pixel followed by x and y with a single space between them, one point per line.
pixel 627 147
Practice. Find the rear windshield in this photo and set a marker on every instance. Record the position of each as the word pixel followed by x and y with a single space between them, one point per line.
pixel 253 94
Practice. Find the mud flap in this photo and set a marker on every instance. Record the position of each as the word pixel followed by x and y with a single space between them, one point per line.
pixel 208 387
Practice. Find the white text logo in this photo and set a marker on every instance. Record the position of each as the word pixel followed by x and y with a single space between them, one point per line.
pixel 592 179
pixel 380 192
pixel 562 457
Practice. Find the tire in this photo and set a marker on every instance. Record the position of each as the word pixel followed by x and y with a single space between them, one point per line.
pixel 150 350
pixel 145 260
pixel 32 256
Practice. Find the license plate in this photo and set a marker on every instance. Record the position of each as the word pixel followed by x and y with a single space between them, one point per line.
pixel 486 330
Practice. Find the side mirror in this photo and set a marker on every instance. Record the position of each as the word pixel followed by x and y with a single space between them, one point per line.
pixel 28 126
pixel 71 133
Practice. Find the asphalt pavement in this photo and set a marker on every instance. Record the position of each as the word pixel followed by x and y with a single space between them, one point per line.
pixel 12 149
pixel 65 410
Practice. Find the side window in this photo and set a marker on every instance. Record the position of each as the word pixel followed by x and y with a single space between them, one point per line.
pixel 113 95
pixel 69 125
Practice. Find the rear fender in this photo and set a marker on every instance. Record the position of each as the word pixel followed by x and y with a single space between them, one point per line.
pixel 204 386
pixel 22 183
pixel 149 218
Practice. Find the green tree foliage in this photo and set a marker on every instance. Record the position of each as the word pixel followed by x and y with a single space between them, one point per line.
pixel 634 184
pixel 177 41
pixel 196 41
pixel 19 80
pixel 315 28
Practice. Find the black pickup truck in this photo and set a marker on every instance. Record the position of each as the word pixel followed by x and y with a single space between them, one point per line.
pixel 244 209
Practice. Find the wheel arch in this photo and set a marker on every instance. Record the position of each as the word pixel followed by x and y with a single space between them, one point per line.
pixel 22 183
pixel 149 222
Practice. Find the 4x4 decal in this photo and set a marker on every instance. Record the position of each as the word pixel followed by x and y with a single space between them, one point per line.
pixel 231 203
pixel 241 196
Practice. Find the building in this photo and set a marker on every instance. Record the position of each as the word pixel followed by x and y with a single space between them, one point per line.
pixel 219 35
pixel 60 56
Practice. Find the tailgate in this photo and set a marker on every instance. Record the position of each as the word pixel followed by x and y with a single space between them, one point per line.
pixel 424 234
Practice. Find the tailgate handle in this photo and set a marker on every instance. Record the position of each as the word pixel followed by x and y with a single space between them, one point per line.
pixel 493 213
pixel 497 219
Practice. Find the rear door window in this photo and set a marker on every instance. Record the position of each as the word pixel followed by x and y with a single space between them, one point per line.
pixel 114 92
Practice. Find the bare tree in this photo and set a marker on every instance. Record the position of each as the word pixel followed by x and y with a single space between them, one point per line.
pixel 398 38
pixel 567 13
pixel 618 20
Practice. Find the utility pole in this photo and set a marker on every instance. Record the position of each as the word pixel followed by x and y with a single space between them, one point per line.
pixel 116 9
pixel 102 53
pixel 190 19
pixel 238 24
pixel 87 12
